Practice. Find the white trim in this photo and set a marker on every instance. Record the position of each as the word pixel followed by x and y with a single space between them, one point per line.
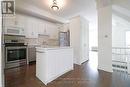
pixel 105 69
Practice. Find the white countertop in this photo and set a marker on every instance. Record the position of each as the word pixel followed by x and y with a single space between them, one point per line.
pixel 52 47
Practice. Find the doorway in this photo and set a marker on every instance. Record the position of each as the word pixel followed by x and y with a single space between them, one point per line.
pixel 93 47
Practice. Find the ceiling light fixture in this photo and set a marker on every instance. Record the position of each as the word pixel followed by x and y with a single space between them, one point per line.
pixel 55 7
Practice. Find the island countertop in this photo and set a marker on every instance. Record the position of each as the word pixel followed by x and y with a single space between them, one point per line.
pixel 52 47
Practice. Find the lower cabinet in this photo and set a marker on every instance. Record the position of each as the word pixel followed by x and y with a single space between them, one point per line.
pixel 31 54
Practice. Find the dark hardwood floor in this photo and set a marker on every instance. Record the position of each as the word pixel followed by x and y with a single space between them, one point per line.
pixel 81 76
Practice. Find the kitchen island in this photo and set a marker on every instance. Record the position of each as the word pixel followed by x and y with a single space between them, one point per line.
pixel 53 62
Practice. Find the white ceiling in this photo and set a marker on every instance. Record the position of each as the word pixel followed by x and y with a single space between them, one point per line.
pixel 122 3
pixel 70 8
pixel 121 10
pixel 86 8
pixel 119 21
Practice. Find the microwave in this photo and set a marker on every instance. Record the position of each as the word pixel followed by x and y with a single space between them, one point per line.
pixel 14 31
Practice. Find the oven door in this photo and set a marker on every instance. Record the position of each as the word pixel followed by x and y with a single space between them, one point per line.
pixel 15 54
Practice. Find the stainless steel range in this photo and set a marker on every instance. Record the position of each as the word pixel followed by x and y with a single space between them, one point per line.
pixel 15 51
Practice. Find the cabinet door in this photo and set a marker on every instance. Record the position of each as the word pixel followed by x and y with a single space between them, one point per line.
pixel 52 30
pixel 34 29
pixel 15 21
pixel 31 28
pixel 9 21
pixel 28 28
pixel 20 21
pixel 41 27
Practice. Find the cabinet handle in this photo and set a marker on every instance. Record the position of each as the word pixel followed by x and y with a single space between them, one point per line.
pixel 40 52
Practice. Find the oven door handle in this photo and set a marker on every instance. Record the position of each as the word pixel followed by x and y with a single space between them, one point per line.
pixel 16 47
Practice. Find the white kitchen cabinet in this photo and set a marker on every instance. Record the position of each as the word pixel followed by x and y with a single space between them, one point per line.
pixel 41 27
pixel 9 21
pixel 64 27
pixel 20 21
pixel 31 28
pixel 53 62
pixel 35 27
pixel 14 21
pixel 14 25
pixel 52 30
pixel 79 39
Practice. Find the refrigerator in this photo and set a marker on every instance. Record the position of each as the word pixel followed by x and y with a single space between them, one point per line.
pixel 64 38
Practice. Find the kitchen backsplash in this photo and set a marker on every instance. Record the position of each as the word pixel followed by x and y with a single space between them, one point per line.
pixel 53 42
pixel 31 41
pixel 42 40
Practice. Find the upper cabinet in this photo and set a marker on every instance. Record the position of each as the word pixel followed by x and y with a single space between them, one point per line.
pixel 34 27
pixel 14 21
pixel 20 21
pixel 31 26
pixel 14 25
pixel 52 30
pixel 8 21
pixel 41 27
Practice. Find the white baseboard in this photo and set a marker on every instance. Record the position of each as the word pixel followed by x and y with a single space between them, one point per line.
pixel 77 63
pixel 106 70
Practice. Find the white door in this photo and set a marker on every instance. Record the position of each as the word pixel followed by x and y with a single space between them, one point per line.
pixel 85 41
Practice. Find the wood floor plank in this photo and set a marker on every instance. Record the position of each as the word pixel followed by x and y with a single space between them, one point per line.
pixel 81 76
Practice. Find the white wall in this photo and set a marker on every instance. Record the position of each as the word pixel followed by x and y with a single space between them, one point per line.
pixel 119 28
pixel 118 36
pixel 122 3
pixel 79 39
pixel 1 70
pixel 75 38
pixel 104 35
pixel 1 58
